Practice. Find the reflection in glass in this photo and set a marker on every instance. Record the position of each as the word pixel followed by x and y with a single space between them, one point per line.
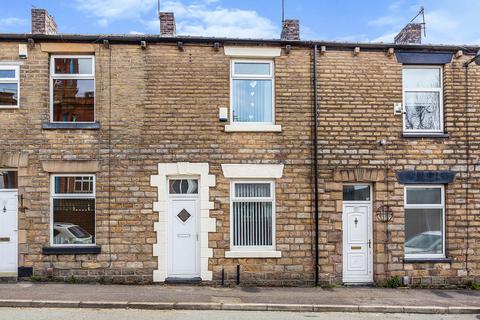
pixel 356 193
pixel 8 94
pixel 76 184
pixel 421 78
pixel 423 231
pixel 73 100
pixel 183 186
pixel 424 195
pixel 422 110
pixel 8 179
pixel 73 65
pixel 246 68
pixel 7 74
pixel 74 221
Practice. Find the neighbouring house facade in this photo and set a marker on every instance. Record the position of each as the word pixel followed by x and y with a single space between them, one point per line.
pixel 138 159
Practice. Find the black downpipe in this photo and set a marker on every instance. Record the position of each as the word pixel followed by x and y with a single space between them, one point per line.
pixel 315 158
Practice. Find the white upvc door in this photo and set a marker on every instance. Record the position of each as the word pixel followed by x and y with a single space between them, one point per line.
pixel 357 242
pixel 183 237
pixel 8 233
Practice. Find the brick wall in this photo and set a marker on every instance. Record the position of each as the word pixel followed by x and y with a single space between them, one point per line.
pixel 162 106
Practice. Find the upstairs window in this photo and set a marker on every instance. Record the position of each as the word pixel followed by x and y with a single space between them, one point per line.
pixel 424 222
pixel 422 99
pixel 73 209
pixel 72 83
pixel 9 86
pixel 252 98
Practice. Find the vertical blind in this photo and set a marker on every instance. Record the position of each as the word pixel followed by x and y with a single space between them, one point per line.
pixel 252 215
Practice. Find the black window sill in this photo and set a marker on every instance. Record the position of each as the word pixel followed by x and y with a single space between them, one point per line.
pixel 431 260
pixel 71 250
pixel 425 135
pixel 70 126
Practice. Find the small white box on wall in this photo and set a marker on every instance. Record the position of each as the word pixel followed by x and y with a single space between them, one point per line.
pixel 223 114
pixel 397 108
pixel 22 51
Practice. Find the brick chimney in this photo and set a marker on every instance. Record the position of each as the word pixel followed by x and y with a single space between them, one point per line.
pixel 291 29
pixel 411 33
pixel 42 22
pixel 167 24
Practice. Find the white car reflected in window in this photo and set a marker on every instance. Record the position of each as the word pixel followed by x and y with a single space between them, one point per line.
pixel 69 233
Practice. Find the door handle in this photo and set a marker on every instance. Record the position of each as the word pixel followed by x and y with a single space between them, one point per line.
pixel 369 243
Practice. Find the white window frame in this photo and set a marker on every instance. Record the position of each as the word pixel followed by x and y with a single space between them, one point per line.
pixel 439 90
pixel 62 76
pixel 54 195
pixel 271 199
pixel 234 76
pixel 16 80
pixel 427 206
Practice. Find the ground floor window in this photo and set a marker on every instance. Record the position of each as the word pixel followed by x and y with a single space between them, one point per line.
pixel 8 179
pixel 73 209
pixel 252 215
pixel 424 222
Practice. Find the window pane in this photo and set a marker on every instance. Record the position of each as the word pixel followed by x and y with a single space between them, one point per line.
pixel 73 100
pixel 65 185
pixel 424 195
pixel 421 78
pixel 7 74
pixel 74 221
pixel 8 180
pixel 248 68
pixel 8 94
pixel 252 224
pixel 252 190
pixel 73 65
pixel 422 110
pixel 356 193
pixel 252 100
pixel 423 231
pixel 183 186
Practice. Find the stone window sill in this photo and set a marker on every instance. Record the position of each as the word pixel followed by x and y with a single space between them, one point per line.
pixel 428 260
pixel 425 135
pixel 253 254
pixel 71 125
pixel 253 128
pixel 63 250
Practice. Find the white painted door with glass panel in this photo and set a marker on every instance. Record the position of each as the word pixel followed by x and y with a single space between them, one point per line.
pixel 8 223
pixel 357 234
pixel 183 233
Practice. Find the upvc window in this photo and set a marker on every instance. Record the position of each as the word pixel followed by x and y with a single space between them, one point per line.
pixel 424 222
pixel 72 209
pixel 72 88
pixel 422 99
pixel 252 92
pixel 252 220
pixel 9 86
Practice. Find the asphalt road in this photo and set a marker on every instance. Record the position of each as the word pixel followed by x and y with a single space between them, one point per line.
pixel 121 314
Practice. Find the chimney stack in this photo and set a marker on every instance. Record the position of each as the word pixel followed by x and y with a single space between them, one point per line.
pixel 42 22
pixel 167 24
pixel 291 29
pixel 410 34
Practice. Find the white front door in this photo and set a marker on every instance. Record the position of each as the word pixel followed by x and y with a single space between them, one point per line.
pixel 184 255
pixel 8 233
pixel 357 242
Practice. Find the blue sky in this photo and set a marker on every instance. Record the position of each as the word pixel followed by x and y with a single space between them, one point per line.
pixel 448 21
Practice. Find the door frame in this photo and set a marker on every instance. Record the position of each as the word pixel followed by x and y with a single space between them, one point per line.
pixel 369 232
pixel 170 242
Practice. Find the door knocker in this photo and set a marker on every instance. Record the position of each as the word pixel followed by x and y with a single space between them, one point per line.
pixel 356 222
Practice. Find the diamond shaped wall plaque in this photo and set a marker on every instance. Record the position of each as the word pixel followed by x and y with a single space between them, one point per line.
pixel 184 215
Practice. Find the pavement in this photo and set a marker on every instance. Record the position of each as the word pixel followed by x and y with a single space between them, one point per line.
pixel 182 297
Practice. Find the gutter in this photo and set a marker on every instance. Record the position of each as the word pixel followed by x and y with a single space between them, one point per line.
pixel 315 159
pixel 126 39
